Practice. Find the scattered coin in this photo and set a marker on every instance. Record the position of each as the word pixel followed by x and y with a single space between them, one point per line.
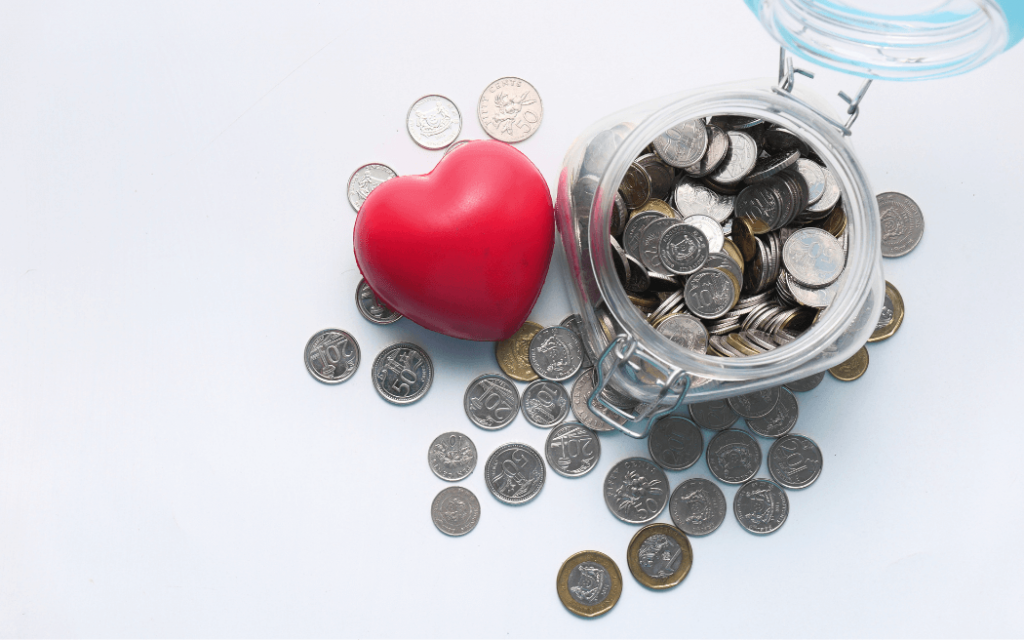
pixel 365 179
pixel 892 315
pixel 902 224
pixel 755 404
pixel 683 144
pixel 575 324
pixel 675 443
pixel 715 415
pixel 795 461
pixel 371 308
pixel 780 420
pixel 589 583
pixel 332 356
pixel 491 401
pixel 581 390
pixel 545 404
pixel 572 450
pixel 510 110
pixel 697 506
pixel 733 456
pixel 514 473
pixel 513 354
pixel 853 368
pixel 635 490
pixel 455 511
pixel 760 506
pixel 806 384
pixel 659 556
pixel 452 456
pixel 402 373
pixel 434 122
pixel 555 353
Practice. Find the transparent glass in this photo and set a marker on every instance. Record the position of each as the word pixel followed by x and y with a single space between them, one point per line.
pixel 591 173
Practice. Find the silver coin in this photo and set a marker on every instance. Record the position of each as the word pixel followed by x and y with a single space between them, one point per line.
pixel 755 404
pixel 813 257
pixel 589 583
pixel 332 356
pixel 581 390
pixel 829 197
pixel 572 450
pixel 711 229
pixel 574 323
pixel 723 261
pixel 455 511
pixel 814 176
pixel 710 294
pixel 510 110
pixel 434 122
pixel 675 443
pixel 760 506
pixel 738 162
pixel 491 401
pixel 556 353
pixel 761 206
pixel 636 490
pixel 795 461
pixel 452 456
pixel 733 456
pixel 402 373
pixel 545 404
pixel 806 384
pixel 455 145
pixel 371 308
pixel 662 176
pixel 902 224
pixel 768 166
pixel 817 298
pixel 633 234
pixel 365 179
pixel 686 331
pixel 715 415
pixel 514 473
pixel 697 506
pixel 682 249
pixel 718 149
pixel 683 144
pixel 696 199
pixel 650 238
pixel 780 420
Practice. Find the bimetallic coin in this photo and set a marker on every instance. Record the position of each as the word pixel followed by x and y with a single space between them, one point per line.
pixel 892 314
pixel 780 420
pixel 711 229
pixel 452 456
pixel 738 162
pixel 718 149
pixel 709 293
pixel 659 556
pixel 760 506
pixel 697 506
pixel 555 353
pixel 902 224
pixel 581 390
pixel 455 511
pixel 853 368
pixel 371 308
pixel 332 356
pixel 514 473
pixel 683 249
pixel 683 144
pixel 755 404
pixel 545 404
pixel 806 384
pixel 513 354
pixel 434 122
pixel 572 450
pixel 675 443
pixel 589 583
pixel 733 456
pixel 365 179
pixel 686 331
pixel 635 490
pixel 715 415
pixel 795 461
pixel 574 323
pixel 510 110
pixel 491 401
pixel 695 199
pixel 402 373
pixel 813 257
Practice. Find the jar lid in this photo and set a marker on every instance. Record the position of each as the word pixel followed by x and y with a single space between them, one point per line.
pixel 894 39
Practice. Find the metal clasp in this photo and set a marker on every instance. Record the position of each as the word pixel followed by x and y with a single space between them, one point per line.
pixel 787 78
pixel 637 423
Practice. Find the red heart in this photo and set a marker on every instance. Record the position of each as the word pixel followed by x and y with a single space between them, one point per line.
pixel 464 249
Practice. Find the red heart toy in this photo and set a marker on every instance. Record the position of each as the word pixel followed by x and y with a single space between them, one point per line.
pixel 464 249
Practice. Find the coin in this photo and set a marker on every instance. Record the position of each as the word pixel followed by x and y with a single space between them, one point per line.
pixel 513 353
pixel 371 308
pixel 635 490
pixel 659 556
pixel 814 177
pixel 650 247
pixel 814 258
pixel 760 506
pixel 755 404
pixel 715 415
pixel 452 456
pixel 657 206
pixel 683 144
pixel 806 384
pixel 853 368
pixel 589 583
pixel 491 401
pixel 738 162
pixel 514 473
pixel 733 456
pixel 892 314
pixel 402 373
pixel 902 224
pixel 662 176
pixel 780 420
pixel 718 149
pixel 710 293
pixel 682 249
pixel 455 511
pixel 510 110
pixel 365 179
pixel 633 234
pixel 695 199
pixel 545 404
pixel 574 323
pixel 761 207
pixel 675 443
pixel 768 166
pixel 555 353
pixel 711 229
pixel 697 506
pixel 636 186
pixel 795 461
pixel 685 331
pixel 581 390
pixel 434 122
pixel 572 450
pixel 332 356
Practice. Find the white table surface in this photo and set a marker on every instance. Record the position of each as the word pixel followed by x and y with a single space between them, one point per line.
pixel 175 227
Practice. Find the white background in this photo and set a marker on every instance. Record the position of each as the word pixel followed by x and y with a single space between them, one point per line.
pixel 175 227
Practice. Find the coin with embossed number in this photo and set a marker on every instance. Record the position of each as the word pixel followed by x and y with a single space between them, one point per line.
pixel 795 461
pixel 780 420
pixel 683 144
pixel 760 506
pixel 556 353
pixel 572 450
pixel 675 443
pixel 715 415
pixel 589 583
pixel 659 556
pixel 636 490
pixel 513 353
pixel 491 401
pixel 332 356
pixel 510 110
pixel 545 404
pixel 697 506
pixel 452 456
pixel 402 373
pixel 434 122
pixel 733 456
pixel 514 473
pixel 902 224
pixel 365 179
pixel 756 403
pixel 371 308
pixel 455 511
pixel 709 293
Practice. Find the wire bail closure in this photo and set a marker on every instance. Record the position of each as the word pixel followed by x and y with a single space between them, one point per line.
pixel 787 78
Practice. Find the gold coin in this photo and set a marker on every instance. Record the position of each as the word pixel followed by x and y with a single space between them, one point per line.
pixel 835 222
pixel 659 556
pixel 892 315
pixel 646 304
pixel 513 354
pixel 741 345
pixel 743 236
pixel 589 583
pixel 853 368
pixel 737 286
pixel 730 248
pixel 657 206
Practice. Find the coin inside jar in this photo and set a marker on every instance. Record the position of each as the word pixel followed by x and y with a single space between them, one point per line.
pixel 682 249
pixel 589 583
pixel 659 556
